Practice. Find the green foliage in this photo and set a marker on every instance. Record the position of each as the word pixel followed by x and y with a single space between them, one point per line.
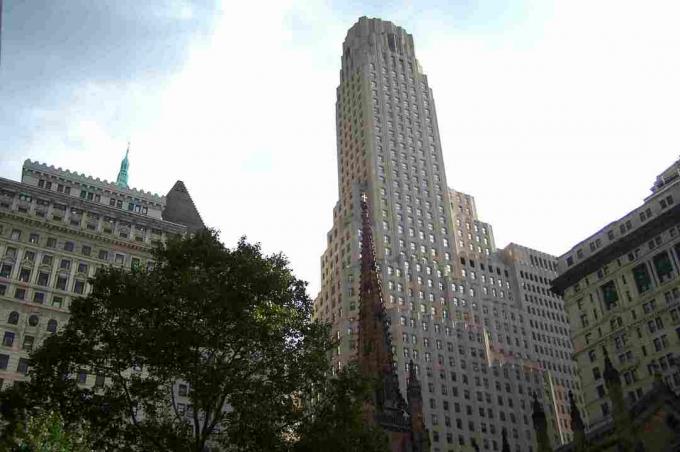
pixel 337 423
pixel 232 324
pixel 46 433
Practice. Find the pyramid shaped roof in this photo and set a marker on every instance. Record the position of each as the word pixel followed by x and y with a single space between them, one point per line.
pixel 180 208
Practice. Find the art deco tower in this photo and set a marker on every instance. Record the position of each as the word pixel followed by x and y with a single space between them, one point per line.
pixel 388 146
pixel 453 302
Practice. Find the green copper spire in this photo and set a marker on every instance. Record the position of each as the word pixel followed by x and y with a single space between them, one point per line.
pixel 122 180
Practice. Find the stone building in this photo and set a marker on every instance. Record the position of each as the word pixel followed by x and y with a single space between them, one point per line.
pixel 480 324
pixel 650 423
pixel 622 295
pixel 57 227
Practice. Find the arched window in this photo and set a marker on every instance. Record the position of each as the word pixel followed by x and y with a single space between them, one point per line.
pixel 52 326
pixel 13 318
pixel 33 320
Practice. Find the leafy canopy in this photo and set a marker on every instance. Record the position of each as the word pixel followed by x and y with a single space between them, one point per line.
pixel 233 325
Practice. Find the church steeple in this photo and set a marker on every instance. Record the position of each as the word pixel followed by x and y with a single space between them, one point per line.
pixel 122 180
pixel 375 344
pixel 387 408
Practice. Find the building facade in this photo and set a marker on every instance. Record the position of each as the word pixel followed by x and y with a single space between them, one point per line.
pixel 650 423
pixel 622 294
pixel 57 228
pixel 482 328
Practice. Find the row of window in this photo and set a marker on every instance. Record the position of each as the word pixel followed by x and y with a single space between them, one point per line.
pixel 32 320
pixel 22 364
pixel 133 204
pixel 624 227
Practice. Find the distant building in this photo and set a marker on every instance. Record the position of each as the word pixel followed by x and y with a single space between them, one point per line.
pixel 622 294
pixel 57 227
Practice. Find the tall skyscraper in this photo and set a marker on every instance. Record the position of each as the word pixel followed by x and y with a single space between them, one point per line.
pixel 480 325
pixel 56 228
pixel 621 286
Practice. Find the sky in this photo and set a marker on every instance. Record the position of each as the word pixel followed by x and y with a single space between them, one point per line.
pixel 557 116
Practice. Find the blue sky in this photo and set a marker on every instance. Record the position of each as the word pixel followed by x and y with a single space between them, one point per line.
pixel 557 116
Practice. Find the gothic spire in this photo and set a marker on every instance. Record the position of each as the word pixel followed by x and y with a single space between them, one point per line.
pixel 387 408
pixel 375 343
pixel 122 180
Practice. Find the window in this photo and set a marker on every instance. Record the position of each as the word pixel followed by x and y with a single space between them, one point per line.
pixel 51 242
pixel 8 339
pixel 79 286
pixel 46 259
pixel 99 381
pixel 663 266
pixel 13 318
pixel 25 274
pixel 38 297
pixel 52 326
pixel 609 294
pixel 103 255
pixel 82 267
pixel 86 250
pixel 33 320
pixel 642 279
pixel 82 377
pixel 15 235
pixel 22 366
pixel 57 302
pixel 596 373
pixel 20 293
pixel 182 390
pixel 61 282
pixel 28 343
pixel 4 361
pixel 33 238
pixel 43 278
pixel 65 264
pixel 5 270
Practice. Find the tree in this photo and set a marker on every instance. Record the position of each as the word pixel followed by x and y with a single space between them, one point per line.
pixel 232 325
pixel 337 423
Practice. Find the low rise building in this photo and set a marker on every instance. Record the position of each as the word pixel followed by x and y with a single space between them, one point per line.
pixel 57 227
